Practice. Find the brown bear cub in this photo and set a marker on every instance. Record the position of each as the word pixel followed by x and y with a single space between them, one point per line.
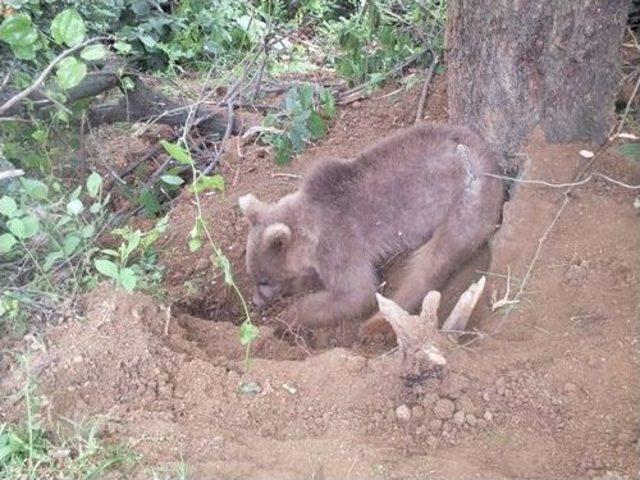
pixel 421 190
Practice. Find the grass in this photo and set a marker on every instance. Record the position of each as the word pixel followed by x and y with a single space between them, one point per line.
pixel 37 449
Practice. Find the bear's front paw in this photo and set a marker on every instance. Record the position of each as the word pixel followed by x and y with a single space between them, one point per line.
pixel 376 330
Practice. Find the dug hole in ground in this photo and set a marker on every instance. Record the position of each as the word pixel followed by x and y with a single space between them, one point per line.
pixel 549 391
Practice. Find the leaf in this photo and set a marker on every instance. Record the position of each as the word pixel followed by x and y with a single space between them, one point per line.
pixel 8 206
pixel 18 31
pixel 88 231
pixel 24 52
pixel 51 259
pixel 284 149
pixel 630 150
pixel 122 47
pixel 71 244
pixel 328 102
pixel 31 226
pixel 248 332
pixel 147 40
pixel 316 125
pixel 204 183
pixel 92 53
pixel 94 182
pixel 150 203
pixel 106 267
pixel 133 240
pixel 17 228
pixel 128 279
pixel 177 152
pixel 306 95
pixel 35 188
pixel 194 244
pixel 7 241
pixel 75 207
pixel 68 28
pixel 70 72
pixel 172 179
pixel 292 98
pixel 225 266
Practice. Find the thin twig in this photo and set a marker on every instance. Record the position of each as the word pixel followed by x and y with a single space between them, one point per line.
pixel 286 175
pixel 425 88
pixel 565 185
pixel 45 73
pixel 227 134
pixel 539 247
pixel 626 110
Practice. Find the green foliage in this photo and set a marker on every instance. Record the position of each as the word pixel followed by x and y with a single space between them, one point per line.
pixel 30 450
pixel 382 35
pixel 121 269
pixel 302 120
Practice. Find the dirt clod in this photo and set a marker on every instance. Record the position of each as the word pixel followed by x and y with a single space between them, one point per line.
pixel 444 408
pixel 403 413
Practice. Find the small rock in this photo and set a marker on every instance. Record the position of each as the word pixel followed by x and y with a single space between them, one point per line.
pixel 586 153
pixel 78 359
pixel 486 397
pixel 471 419
pixel 458 418
pixel 570 387
pixel 417 412
pixel 403 413
pixel 249 388
pixel 444 408
pixel 435 425
pixel 488 416
pixel 291 390
pixel 356 104
pixel 432 441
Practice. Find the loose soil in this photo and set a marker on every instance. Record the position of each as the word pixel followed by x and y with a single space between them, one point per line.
pixel 550 390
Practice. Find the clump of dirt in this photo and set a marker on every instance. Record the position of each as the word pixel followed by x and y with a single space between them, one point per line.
pixel 548 390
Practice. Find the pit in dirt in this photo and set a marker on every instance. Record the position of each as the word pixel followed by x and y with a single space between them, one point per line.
pixel 549 391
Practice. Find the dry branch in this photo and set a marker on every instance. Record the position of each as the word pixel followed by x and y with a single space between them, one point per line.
pixel 420 342
pixel 19 97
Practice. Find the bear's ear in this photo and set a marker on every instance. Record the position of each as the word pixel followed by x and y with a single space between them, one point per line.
pixel 277 236
pixel 251 207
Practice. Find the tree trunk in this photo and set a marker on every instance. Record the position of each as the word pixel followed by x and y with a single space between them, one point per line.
pixel 515 65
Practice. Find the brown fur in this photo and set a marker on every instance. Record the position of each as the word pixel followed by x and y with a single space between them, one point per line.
pixel 420 190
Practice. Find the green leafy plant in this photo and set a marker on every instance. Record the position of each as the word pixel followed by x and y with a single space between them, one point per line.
pixel 121 269
pixel 302 120
pixel 200 233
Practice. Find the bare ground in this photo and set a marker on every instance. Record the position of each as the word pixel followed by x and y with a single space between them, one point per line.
pixel 550 391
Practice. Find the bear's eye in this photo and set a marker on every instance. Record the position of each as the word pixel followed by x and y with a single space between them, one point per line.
pixel 263 283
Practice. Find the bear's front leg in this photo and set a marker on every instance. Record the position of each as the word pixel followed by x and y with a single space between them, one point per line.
pixel 328 308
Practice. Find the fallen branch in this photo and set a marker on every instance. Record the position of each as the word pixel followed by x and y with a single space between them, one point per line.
pixel 17 172
pixel 15 99
pixel 425 88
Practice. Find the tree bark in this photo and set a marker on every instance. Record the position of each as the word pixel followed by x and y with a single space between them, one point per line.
pixel 515 65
